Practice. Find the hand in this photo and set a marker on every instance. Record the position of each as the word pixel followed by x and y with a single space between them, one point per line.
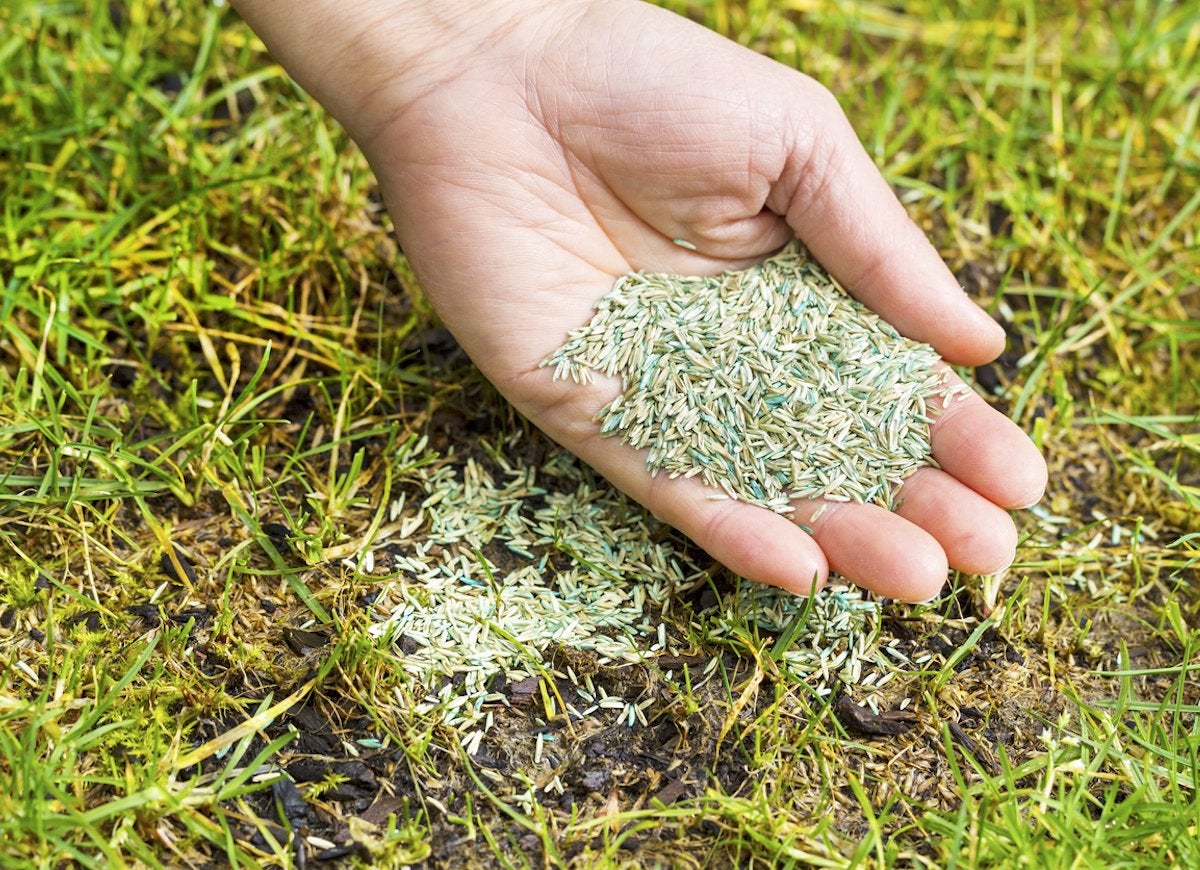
pixel 531 153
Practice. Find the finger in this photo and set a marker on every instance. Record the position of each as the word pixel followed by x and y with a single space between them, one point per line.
pixel 841 207
pixel 751 541
pixel 986 451
pixel 977 536
pixel 877 549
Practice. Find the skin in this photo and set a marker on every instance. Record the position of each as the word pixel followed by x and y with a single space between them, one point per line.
pixel 531 153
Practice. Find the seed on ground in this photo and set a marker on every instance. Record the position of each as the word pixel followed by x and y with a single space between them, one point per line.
pixel 602 575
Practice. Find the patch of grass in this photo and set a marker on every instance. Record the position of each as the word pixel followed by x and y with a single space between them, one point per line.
pixel 217 375
pixel 67 799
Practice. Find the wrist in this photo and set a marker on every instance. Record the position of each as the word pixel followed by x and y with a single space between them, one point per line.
pixel 365 62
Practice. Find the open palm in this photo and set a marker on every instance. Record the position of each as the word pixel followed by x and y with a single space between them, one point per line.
pixel 534 161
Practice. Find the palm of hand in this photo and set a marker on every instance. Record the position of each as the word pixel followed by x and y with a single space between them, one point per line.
pixel 523 186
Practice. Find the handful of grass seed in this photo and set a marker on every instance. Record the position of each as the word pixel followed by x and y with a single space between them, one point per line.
pixel 770 383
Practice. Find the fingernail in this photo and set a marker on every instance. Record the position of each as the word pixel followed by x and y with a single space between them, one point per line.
pixel 1024 506
pixel 805 588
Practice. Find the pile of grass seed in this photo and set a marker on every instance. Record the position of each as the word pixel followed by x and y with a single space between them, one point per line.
pixel 501 562
pixel 770 383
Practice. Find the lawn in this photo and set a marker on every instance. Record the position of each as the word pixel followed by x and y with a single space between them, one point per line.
pixel 239 459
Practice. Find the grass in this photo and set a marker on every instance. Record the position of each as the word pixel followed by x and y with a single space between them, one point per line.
pixel 215 369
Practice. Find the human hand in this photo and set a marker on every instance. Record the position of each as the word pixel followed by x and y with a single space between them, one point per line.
pixel 531 153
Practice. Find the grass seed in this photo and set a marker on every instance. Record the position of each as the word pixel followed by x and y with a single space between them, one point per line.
pixel 770 383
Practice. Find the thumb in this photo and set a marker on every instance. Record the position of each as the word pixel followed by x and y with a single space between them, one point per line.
pixel 839 205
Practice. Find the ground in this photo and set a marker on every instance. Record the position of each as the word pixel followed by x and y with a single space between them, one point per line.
pixel 216 369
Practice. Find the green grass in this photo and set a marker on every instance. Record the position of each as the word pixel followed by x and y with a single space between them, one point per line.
pixel 206 334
